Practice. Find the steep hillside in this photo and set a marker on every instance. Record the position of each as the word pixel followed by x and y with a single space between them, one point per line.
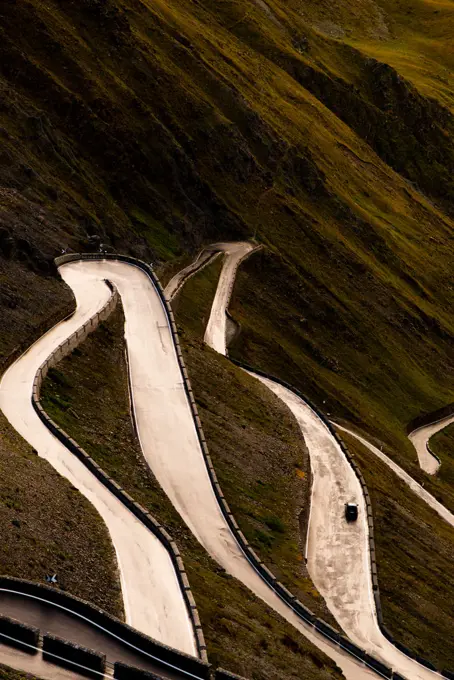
pixel 322 128
pixel 154 126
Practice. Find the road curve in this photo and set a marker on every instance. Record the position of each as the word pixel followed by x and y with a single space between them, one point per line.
pixel 420 440
pixel 215 332
pixel 414 486
pixel 168 435
pixel 204 258
pixel 165 425
pixel 338 554
pixel 152 597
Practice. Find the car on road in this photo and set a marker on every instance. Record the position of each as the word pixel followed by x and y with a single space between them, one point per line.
pixel 351 512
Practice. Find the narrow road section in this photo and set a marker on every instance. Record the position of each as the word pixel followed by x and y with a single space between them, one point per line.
pixel 420 440
pixel 204 258
pixel 35 665
pixel 215 332
pixel 152 597
pixel 67 625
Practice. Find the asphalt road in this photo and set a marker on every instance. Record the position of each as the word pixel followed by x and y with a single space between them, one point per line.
pixel 171 448
pixel 204 258
pixel 168 436
pixel 35 664
pixel 420 440
pixel 215 332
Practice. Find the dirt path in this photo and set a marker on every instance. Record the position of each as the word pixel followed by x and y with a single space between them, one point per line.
pixel 153 601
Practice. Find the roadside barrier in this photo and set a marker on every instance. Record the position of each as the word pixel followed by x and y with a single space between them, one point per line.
pixel 167 657
pixel 67 654
pixel 23 637
pixel 56 317
pixel 240 261
pixel 123 671
pixel 222 674
pixel 197 269
pixel 86 661
pixel 429 418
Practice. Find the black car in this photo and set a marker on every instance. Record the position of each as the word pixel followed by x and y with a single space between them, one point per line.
pixel 351 512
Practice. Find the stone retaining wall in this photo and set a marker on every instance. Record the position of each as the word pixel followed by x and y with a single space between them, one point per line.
pixel 18 635
pixel 75 657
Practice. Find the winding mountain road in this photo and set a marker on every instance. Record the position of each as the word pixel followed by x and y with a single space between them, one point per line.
pixel 35 665
pixel 152 597
pixel 66 624
pixel 338 557
pixel 414 486
pixel 420 440
pixel 171 447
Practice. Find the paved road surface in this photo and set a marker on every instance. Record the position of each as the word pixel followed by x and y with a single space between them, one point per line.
pixel 34 664
pixel 169 441
pixel 152 597
pixel 420 440
pixel 215 332
pixel 168 436
pixel 414 486
pixel 204 258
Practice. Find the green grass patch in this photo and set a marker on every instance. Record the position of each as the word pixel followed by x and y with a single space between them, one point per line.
pixel 192 305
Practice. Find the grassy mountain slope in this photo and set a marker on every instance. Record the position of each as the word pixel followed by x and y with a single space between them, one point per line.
pixel 10 674
pixel 372 361
pixel 87 395
pixel 323 128
pixel 256 446
pixel 443 445
pixel 416 592
pixel 155 126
